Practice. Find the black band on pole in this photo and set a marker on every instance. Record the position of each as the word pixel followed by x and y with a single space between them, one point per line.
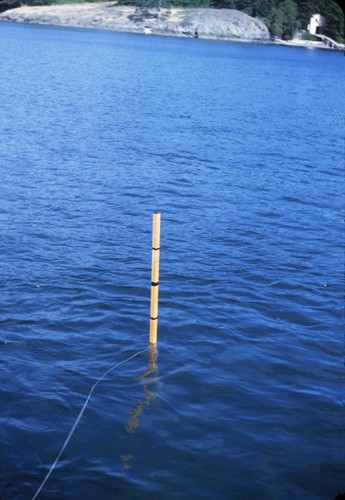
pixel 154 283
pixel 153 248
pixel 153 319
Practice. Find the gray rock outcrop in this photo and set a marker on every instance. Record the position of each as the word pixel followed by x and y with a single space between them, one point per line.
pixel 222 23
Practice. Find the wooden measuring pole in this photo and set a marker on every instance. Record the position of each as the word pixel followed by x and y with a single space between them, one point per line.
pixel 156 230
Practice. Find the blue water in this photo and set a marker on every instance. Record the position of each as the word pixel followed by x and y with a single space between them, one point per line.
pixel 241 148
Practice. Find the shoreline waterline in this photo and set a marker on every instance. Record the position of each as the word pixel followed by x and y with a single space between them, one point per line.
pixel 109 17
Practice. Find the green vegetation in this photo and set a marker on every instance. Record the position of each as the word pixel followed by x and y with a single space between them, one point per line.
pixel 282 17
pixel 309 37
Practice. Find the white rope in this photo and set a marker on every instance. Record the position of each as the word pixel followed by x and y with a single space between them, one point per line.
pixel 79 417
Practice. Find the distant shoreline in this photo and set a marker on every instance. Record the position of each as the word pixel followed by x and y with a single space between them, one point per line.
pixel 109 16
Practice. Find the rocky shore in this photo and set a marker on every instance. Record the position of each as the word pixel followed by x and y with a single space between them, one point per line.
pixel 222 24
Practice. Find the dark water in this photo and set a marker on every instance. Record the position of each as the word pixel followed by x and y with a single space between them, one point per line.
pixel 241 149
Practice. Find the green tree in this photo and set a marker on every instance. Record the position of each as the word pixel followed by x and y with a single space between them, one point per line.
pixel 335 22
pixel 290 23
pixel 275 24
pixel 224 4
pixel 190 3
pixel 263 8
pixel 247 6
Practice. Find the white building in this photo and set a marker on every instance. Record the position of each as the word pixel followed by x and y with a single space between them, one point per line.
pixel 316 22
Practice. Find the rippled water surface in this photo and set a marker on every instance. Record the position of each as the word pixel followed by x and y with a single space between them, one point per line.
pixel 241 149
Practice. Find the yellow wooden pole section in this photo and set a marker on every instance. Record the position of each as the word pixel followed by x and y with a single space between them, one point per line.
pixel 156 230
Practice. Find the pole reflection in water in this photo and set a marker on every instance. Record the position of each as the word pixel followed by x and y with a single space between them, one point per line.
pixel 133 421
pixel 145 401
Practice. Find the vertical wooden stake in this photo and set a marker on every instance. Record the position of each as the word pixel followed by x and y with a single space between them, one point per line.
pixel 156 229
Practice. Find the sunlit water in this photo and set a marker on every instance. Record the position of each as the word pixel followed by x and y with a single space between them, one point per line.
pixel 241 148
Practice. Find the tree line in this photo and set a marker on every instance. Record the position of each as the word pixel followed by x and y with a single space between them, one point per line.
pixel 282 17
